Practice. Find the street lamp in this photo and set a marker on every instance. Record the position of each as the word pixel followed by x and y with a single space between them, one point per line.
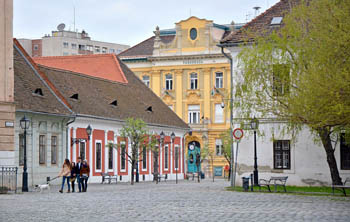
pixel 254 124
pixel 78 140
pixel 25 122
pixel 161 144
pixel 172 135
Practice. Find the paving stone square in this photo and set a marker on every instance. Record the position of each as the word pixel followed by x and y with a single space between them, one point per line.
pixel 167 201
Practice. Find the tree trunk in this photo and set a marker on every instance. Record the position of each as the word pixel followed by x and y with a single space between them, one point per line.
pixel 212 167
pixel 132 171
pixel 229 173
pixel 332 162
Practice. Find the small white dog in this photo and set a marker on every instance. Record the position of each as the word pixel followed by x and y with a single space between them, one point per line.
pixel 42 187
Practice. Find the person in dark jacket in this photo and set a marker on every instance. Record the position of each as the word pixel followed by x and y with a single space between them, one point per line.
pixel 73 176
pixel 77 172
pixel 84 175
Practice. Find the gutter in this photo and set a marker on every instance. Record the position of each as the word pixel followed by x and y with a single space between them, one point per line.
pixel 67 132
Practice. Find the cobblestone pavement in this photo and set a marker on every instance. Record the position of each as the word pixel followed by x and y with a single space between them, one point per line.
pixel 167 201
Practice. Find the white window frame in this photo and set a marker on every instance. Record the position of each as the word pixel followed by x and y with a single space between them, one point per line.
pixel 65 45
pixel 56 150
pixel 104 50
pixel 97 49
pixel 218 144
pixel 166 158
pixel 219 80
pixel 96 142
pixel 126 160
pixel 169 81
pixel 177 147
pixel 146 81
pixel 43 149
pixel 79 153
pixel 192 109
pixel 219 117
pixel 144 160
pixel 110 169
pixel 74 46
pixel 193 81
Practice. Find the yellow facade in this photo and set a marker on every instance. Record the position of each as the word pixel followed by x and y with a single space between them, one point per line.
pixel 180 58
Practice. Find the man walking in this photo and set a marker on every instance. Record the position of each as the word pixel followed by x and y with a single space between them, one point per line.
pixel 77 171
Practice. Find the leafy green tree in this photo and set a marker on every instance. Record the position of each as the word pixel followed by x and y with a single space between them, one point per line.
pixel 300 73
pixel 139 137
pixel 226 149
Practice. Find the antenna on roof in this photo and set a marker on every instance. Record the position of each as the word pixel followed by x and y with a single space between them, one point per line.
pixel 74 16
pixel 256 8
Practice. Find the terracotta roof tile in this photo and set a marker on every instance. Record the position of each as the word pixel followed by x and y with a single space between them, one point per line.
pixel 261 24
pixel 28 79
pixel 104 66
pixel 95 96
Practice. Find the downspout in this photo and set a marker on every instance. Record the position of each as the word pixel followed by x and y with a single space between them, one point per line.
pixel 231 114
pixel 67 131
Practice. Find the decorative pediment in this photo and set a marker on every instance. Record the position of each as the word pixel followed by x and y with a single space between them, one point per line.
pixel 193 96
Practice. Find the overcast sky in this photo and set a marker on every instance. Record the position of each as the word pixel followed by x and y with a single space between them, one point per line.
pixel 124 21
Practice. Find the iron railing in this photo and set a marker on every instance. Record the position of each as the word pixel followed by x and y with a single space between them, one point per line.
pixel 8 179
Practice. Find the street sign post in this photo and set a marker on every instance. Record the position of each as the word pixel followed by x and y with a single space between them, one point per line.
pixel 237 134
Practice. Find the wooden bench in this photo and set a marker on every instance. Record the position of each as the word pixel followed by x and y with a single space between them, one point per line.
pixel 273 181
pixel 346 185
pixel 160 176
pixel 106 176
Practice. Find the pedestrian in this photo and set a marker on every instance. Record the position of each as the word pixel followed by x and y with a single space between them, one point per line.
pixel 77 172
pixel 65 174
pixel 73 176
pixel 84 174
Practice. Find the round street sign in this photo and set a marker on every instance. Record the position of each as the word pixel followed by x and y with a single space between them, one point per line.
pixel 238 133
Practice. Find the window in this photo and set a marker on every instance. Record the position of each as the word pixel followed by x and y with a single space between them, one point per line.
pixel 276 20
pixel 90 48
pixel 42 149
pixel 97 48
pixel 81 47
pixel 110 158
pixel 21 149
pixel 218 147
pixel 145 80
pixel 193 114
pixel 82 151
pixel 98 156
pixel 74 46
pixel 53 149
pixel 281 153
pixel 144 158
pixel 65 44
pixel 344 153
pixel 166 156
pixel 193 33
pixel 280 79
pixel 36 47
pixel 104 50
pixel 219 80
pixel 123 155
pixel 176 157
pixel 111 51
pixel 219 114
pixel 194 80
pixel 169 82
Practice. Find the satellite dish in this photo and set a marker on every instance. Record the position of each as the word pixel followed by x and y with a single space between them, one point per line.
pixel 61 27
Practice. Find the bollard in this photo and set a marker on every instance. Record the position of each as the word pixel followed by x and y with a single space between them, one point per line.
pixel 251 182
pixel 47 179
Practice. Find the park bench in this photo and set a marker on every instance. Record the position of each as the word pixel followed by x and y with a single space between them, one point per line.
pixel 273 181
pixel 106 176
pixel 160 176
pixel 346 185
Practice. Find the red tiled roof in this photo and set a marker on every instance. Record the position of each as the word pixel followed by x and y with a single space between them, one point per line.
pixel 105 66
pixel 261 24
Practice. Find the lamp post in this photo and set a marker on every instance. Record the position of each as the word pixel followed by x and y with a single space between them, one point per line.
pixel 160 148
pixel 254 124
pixel 25 122
pixel 176 162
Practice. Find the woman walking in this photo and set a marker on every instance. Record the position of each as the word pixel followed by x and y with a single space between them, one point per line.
pixel 84 174
pixel 73 175
pixel 65 174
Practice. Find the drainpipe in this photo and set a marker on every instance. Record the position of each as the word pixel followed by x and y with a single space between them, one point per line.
pixel 231 116
pixel 67 131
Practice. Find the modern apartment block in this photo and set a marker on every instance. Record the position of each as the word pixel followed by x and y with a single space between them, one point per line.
pixel 63 43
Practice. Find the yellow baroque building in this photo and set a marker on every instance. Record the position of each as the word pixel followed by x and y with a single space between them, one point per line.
pixel 187 70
